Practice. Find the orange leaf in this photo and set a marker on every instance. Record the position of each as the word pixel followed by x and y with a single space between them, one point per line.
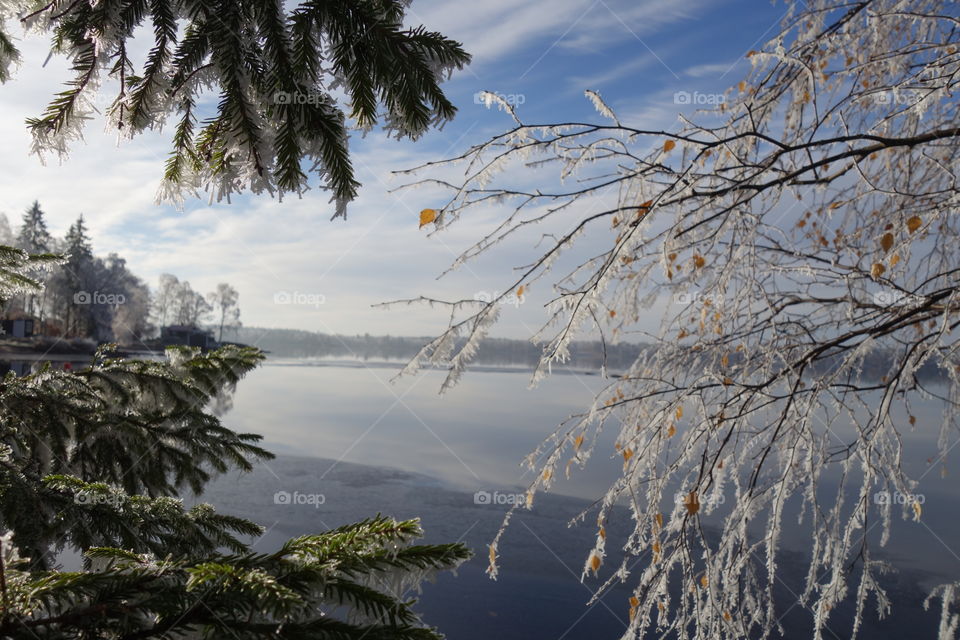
pixel 603 533
pixel 704 581
pixel 577 442
pixel 894 259
pixel 671 431
pixel 627 454
pixel 742 86
pixel 595 562
pixel 427 216
pixel 886 242
pixel 698 261
pixel 669 145
pixel 913 223
pixel 659 520
pixel 519 291
pixel 612 313
pixel 877 270
pixel 679 412
pixel 692 503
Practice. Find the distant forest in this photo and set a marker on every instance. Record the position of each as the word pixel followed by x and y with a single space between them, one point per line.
pixel 585 355
pixel 293 343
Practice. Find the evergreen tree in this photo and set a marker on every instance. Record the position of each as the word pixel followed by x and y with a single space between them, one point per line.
pixel 34 237
pixel 77 273
pixel 92 461
pixel 275 67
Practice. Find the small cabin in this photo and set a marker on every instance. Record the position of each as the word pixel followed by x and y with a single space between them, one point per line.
pixel 18 327
pixel 187 336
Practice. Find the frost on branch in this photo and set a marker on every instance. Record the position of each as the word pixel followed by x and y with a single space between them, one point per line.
pixel 799 245
pixel 269 69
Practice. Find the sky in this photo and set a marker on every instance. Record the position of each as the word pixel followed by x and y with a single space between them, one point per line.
pixel 293 267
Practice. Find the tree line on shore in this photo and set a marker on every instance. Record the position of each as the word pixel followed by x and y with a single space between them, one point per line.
pixel 100 298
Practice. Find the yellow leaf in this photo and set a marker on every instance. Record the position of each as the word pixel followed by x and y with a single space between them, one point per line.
pixel 547 474
pixel 692 503
pixel 877 270
pixel 577 442
pixel 671 431
pixel 704 581
pixel 913 223
pixel 725 361
pixel 894 259
pixel 627 454
pixel 493 554
pixel 595 562
pixel 917 510
pixel 427 216
pixel 742 86
pixel 659 520
pixel 698 261
pixel 886 242
pixel 656 547
pixel 669 145
pixel 519 291
pixel 683 334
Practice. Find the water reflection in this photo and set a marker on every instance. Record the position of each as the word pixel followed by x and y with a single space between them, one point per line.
pixel 474 439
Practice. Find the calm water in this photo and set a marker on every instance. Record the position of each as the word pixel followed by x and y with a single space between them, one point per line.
pixel 326 420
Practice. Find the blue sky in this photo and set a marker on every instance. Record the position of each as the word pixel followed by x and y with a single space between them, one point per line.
pixel 544 53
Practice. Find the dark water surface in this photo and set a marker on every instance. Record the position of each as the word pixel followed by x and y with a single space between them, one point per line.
pixel 351 444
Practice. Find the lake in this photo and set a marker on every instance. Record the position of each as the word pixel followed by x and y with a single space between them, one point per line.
pixel 352 444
